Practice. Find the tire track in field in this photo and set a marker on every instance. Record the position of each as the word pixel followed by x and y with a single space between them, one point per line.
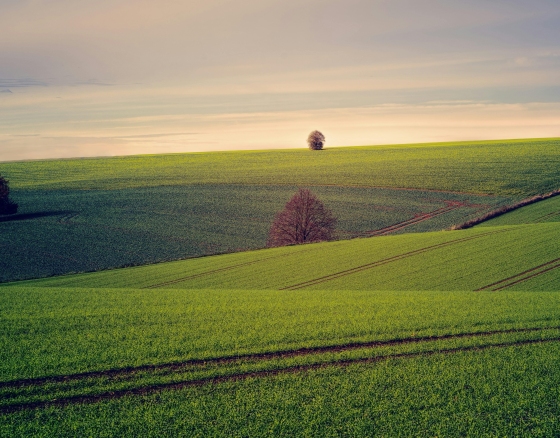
pixel 388 260
pixel 522 276
pixel 150 389
pixel 307 351
pixel 218 270
pixel 547 216
pixel 450 206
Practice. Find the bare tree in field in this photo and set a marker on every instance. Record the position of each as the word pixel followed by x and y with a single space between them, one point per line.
pixel 303 220
pixel 316 141
pixel 6 205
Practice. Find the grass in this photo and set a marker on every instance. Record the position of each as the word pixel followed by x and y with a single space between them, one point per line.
pixel 540 212
pixel 376 362
pixel 75 230
pixel 63 331
pixel 370 337
pixel 517 168
pixel 505 391
pixel 82 215
pixel 445 260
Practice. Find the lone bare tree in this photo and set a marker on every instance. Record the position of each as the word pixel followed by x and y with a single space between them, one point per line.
pixel 6 205
pixel 316 140
pixel 303 220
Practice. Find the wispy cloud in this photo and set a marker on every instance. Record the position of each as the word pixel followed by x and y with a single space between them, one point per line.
pixel 18 83
pixel 120 76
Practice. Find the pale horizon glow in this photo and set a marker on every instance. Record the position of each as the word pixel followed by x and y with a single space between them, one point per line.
pixel 93 78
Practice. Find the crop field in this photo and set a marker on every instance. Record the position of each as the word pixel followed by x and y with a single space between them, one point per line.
pixel 65 231
pixel 83 215
pixel 398 329
pixel 516 168
pixel 445 260
pixel 94 356
pixel 497 391
pixel 544 211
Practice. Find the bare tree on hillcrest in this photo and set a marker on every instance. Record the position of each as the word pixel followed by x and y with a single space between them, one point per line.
pixel 316 140
pixel 303 220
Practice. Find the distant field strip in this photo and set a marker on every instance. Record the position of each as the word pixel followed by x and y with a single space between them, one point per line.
pixel 505 167
pixel 523 276
pixel 111 384
pixel 385 261
pixel 347 272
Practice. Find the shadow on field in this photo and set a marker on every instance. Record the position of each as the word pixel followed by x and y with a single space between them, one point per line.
pixel 39 214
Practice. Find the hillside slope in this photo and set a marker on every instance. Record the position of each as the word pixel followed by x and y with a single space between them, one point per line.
pixel 482 258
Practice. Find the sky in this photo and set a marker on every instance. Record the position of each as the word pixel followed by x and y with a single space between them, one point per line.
pixel 115 77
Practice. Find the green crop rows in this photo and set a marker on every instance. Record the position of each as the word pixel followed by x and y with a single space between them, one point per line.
pixel 65 231
pixel 90 214
pixel 505 168
pixel 350 338
pixel 68 331
pixel 93 354
pixel 440 333
pixel 445 260
pixel 491 392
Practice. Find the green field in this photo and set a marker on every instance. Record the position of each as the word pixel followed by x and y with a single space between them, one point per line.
pixel 157 352
pixel 82 215
pixel 65 231
pixel 508 391
pixel 517 168
pixel 544 211
pixel 158 356
pixel 418 333
pixel 445 260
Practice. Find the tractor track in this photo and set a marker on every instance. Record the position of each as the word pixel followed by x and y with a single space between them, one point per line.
pixel 150 389
pixel 119 372
pixel 522 276
pixel 215 271
pixel 547 216
pixel 451 205
pixel 388 260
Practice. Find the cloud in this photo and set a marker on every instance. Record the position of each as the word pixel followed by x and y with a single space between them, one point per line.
pixel 19 83
pixel 177 75
pixel 172 41
pixel 379 124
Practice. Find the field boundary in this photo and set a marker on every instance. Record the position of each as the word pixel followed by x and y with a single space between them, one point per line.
pixel 506 209
pixel 450 206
